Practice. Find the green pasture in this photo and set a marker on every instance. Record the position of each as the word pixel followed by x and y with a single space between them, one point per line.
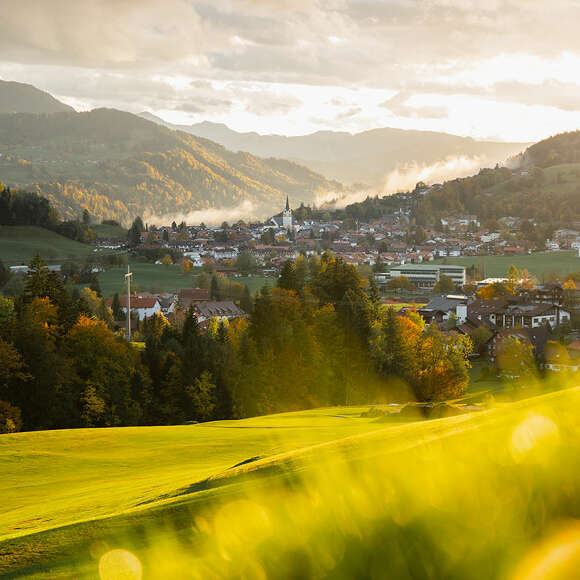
pixel 541 264
pixel 18 244
pixel 108 231
pixel 315 494
pixel 159 278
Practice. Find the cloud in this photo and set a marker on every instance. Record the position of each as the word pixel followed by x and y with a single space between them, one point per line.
pixel 406 177
pixel 339 200
pixel 401 105
pixel 211 216
pixel 199 57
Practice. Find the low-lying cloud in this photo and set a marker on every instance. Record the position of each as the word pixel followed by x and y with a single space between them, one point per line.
pixel 210 216
pixel 404 178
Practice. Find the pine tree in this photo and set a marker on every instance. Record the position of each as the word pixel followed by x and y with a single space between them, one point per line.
pixel 246 302
pixel 118 313
pixel 287 279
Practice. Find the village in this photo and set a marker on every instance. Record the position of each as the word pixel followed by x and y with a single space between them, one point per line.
pixel 410 268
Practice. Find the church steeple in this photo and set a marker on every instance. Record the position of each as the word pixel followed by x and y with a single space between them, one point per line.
pixel 287 204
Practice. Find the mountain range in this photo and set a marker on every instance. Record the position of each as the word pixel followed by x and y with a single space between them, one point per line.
pixel 119 165
pixel 362 158
pixel 23 98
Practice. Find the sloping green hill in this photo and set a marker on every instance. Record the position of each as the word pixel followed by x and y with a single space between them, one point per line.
pixel 18 244
pixel 118 165
pixel 321 493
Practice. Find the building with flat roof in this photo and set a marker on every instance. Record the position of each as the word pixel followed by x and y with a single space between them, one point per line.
pixel 427 275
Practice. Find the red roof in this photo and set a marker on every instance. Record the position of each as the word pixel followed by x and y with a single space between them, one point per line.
pixel 137 301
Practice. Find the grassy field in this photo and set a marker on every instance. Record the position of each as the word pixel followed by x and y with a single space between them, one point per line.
pixel 540 264
pixel 147 278
pixel 254 283
pixel 18 244
pixel 109 231
pixel 323 493
pixel 160 278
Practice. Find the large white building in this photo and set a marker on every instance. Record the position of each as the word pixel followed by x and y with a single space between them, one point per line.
pixel 426 275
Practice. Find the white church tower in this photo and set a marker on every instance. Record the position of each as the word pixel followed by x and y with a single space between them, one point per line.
pixel 287 216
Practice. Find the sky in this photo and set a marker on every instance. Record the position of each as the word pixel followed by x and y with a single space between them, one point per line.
pixel 494 69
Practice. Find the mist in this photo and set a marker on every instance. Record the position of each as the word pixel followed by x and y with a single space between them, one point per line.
pixel 210 216
pixel 404 178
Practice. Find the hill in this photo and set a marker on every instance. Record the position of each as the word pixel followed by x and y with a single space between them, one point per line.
pixel 23 98
pixel 365 157
pixel 118 165
pixel 323 493
pixel 19 244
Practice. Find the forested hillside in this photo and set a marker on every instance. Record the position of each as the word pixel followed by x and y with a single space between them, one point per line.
pixel 117 165
pixel 544 186
pixel 23 98
pixel 360 158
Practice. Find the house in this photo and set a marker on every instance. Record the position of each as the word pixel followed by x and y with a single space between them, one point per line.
pixel 221 310
pixel 144 305
pixel 443 308
pixel 536 337
pixel 189 296
pixel 511 312
pixel 560 358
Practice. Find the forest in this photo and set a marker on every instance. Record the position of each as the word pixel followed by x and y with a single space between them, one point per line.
pixel 319 338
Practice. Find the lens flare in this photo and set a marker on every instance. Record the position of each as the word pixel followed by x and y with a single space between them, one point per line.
pixel 120 565
pixel 534 439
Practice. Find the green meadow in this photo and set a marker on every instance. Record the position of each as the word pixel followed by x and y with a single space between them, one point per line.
pixel 326 493
pixel 19 244
pixel 160 278
pixel 541 264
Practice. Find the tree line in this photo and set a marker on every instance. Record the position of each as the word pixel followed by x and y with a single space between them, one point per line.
pixel 21 208
pixel 320 337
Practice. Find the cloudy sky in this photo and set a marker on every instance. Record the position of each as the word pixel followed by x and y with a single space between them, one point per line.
pixel 499 69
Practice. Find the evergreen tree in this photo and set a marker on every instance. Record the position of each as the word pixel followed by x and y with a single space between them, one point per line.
pixel 246 302
pixel 287 279
pixel 118 313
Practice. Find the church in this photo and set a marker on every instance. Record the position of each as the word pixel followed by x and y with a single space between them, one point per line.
pixel 286 220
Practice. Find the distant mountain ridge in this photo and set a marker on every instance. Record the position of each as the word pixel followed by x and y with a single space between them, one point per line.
pixel 354 158
pixel 23 98
pixel 118 165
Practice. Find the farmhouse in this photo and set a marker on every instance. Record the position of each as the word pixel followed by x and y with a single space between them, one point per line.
pixel 144 305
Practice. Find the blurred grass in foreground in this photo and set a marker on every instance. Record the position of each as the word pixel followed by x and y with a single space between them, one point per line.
pixel 494 494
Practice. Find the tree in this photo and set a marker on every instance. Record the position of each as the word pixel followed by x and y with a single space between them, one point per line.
pixel 513 276
pixel 7 311
pixel 400 283
pixel 4 274
pixel 10 418
pixel 444 285
pixel 118 313
pixel 246 302
pixel 287 279
pixel 86 217
pixel 201 393
pixel 442 365
pixel 246 262
pixel 515 357
pixel 135 231
pixel 215 288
